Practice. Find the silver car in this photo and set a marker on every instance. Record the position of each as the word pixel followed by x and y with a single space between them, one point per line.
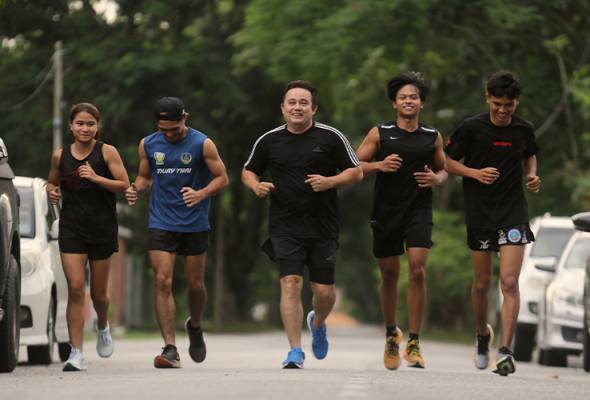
pixel 561 310
pixel 537 270
pixel 582 222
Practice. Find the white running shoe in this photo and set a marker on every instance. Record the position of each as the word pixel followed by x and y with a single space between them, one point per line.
pixel 75 362
pixel 104 343
pixel 483 350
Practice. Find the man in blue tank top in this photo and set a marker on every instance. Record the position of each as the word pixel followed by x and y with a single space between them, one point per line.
pixel 184 170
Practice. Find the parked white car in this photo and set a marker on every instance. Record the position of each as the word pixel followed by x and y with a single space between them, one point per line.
pixel 538 269
pixel 561 309
pixel 582 223
pixel 44 292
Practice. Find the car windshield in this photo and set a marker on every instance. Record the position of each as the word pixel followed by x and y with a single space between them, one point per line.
pixel 579 254
pixel 549 242
pixel 26 213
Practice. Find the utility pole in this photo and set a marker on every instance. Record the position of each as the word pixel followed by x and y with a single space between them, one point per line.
pixel 58 88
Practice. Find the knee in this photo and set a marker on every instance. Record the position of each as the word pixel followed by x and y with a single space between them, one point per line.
pixel 76 292
pixel 509 285
pixel 481 286
pixel 99 297
pixel 389 275
pixel 163 283
pixel 195 284
pixel 324 292
pixel 291 285
pixel 417 275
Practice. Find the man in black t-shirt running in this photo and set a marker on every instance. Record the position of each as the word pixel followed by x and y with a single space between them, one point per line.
pixel 307 161
pixel 408 159
pixel 494 147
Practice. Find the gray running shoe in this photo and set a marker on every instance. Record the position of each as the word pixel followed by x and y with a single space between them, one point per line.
pixel 104 343
pixel 483 347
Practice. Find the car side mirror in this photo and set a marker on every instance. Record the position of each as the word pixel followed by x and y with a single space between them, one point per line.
pixel 54 232
pixel 546 263
pixel 582 221
pixel 3 152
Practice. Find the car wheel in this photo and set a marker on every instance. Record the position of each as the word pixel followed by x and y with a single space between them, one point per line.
pixel 10 324
pixel 586 343
pixel 553 358
pixel 64 351
pixel 524 342
pixel 43 354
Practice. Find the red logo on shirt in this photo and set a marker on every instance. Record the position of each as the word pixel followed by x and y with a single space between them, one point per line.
pixel 503 144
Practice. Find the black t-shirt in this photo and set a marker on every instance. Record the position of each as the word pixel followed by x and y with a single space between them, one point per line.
pixel 295 209
pixel 482 144
pixel 397 194
pixel 88 210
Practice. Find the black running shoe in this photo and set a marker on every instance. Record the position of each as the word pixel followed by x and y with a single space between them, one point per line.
pixel 505 364
pixel 168 359
pixel 197 348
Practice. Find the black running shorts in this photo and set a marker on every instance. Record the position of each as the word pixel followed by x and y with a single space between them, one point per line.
pixel 293 254
pixel 392 244
pixel 181 243
pixel 95 251
pixel 491 239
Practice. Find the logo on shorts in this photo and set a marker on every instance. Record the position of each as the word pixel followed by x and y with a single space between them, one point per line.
pixel 186 158
pixel 159 158
pixel 484 244
pixel 502 237
pixel 514 235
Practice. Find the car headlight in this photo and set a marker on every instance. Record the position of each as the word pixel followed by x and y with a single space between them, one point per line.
pixel 28 264
pixel 566 298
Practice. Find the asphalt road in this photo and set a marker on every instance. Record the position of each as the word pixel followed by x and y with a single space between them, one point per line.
pixel 247 366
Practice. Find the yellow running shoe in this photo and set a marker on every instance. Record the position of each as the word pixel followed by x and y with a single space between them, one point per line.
pixel 391 354
pixel 412 354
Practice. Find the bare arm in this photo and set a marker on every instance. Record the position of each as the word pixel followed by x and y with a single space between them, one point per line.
pixel 533 181
pixel 120 180
pixel 487 175
pixel 351 175
pixel 220 180
pixel 436 175
pixel 252 182
pixel 52 188
pixel 144 177
pixel 367 151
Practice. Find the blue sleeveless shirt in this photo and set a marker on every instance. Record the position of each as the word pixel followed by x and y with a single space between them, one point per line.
pixel 174 166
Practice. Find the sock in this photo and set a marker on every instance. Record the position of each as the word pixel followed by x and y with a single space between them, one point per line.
pixel 414 336
pixel 391 330
pixel 504 350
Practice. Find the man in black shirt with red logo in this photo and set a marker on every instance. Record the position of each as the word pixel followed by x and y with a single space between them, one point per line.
pixel 307 161
pixel 494 147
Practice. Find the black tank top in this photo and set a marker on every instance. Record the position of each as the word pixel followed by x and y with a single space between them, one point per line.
pixel 397 194
pixel 88 210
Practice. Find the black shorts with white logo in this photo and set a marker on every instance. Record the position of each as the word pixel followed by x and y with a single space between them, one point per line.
pixel 95 251
pixel 392 244
pixel 293 254
pixel 491 239
pixel 181 243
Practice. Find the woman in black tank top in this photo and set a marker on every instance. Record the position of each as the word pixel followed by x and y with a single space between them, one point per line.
pixel 409 160
pixel 85 176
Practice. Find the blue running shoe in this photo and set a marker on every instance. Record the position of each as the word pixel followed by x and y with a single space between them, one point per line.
pixel 294 359
pixel 319 341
